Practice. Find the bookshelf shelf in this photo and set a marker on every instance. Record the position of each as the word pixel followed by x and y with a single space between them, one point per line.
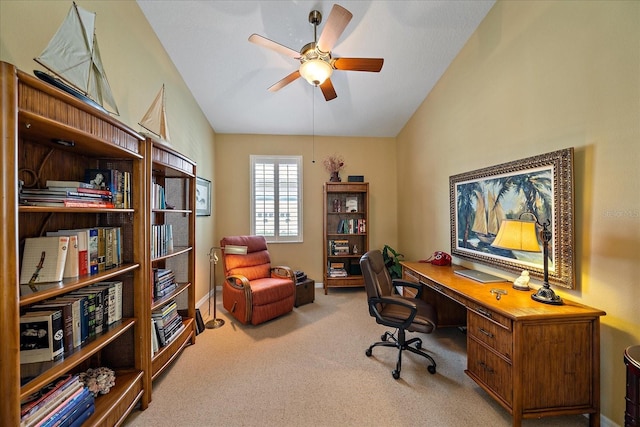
pixel 49 291
pixel 50 135
pixel 75 358
pixel 167 354
pixel 346 208
pixel 174 253
pixel 171 182
pixel 175 293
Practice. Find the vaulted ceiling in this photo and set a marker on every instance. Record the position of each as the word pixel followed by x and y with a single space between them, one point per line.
pixel 229 76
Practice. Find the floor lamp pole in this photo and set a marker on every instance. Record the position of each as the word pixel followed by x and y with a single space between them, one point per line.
pixel 213 260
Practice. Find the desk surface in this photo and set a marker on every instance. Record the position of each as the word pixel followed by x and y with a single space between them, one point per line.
pixel 516 305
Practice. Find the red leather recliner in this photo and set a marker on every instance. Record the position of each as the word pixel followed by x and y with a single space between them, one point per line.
pixel 254 291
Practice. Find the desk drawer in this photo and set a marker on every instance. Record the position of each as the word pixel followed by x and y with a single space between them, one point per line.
pixel 490 370
pixel 490 314
pixel 443 290
pixel 491 333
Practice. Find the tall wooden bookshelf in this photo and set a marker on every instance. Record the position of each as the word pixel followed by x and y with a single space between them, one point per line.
pixel 346 235
pixel 47 134
pixel 175 175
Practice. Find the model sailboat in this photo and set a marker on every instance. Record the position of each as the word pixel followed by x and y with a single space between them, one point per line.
pixel 155 119
pixel 73 56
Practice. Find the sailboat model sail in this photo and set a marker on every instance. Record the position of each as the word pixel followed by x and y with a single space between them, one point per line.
pixel 155 119
pixel 73 56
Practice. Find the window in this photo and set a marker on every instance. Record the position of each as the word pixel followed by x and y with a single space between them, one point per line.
pixel 276 197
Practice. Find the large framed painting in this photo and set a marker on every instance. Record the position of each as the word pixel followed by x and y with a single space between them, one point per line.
pixel 203 197
pixel 541 185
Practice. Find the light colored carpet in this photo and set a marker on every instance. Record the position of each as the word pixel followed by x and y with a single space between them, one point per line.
pixel 309 368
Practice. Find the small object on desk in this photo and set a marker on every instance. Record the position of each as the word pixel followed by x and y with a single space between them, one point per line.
pixel 498 293
pixel 522 282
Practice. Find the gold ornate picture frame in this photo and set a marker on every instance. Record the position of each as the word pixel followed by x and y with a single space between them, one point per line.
pixel 542 185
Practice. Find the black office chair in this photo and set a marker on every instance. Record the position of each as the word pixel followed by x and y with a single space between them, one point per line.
pixel 396 311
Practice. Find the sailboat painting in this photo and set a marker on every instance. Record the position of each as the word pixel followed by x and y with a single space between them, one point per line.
pixel 540 186
pixel 155 119
pixel 73 56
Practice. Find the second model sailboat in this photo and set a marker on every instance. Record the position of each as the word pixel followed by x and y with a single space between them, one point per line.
pixel 155 119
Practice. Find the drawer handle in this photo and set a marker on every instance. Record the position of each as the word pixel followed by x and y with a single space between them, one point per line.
pixel 487 333
pixel 486 368
pixel 485 312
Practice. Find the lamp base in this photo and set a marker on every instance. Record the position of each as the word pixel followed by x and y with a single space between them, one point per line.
pixel 546 295
pixel 214 323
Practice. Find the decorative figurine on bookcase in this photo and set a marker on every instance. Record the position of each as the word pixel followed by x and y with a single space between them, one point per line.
pixel 334 164
pixel 98 380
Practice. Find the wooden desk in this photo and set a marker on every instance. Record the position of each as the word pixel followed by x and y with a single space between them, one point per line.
pixel 534 359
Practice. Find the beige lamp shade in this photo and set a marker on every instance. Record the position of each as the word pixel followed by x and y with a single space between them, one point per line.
pixel 517 235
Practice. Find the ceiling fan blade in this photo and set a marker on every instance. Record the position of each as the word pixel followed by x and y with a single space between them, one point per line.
pixel 328 91
pixel 337 21
pixel 358 64
pixel 282 83
pixel 270 44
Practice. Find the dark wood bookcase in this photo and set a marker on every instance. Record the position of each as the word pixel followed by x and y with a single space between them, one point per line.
pixel 176 174
pixel 47 134
pixel 346 235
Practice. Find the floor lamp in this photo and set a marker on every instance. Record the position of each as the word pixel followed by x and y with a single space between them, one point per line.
pixel 213 261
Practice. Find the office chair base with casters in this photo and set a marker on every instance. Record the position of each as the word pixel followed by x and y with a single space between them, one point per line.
pixel 396 311
pixel 389 340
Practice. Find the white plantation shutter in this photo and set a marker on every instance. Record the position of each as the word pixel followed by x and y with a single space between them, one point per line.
pixel 276 197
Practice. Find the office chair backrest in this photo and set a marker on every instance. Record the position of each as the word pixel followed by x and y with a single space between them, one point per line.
pixel 377 280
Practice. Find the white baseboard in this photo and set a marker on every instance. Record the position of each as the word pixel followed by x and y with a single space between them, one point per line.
pixel 606 422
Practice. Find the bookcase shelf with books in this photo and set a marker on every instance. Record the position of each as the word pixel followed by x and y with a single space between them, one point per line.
pixel 346 238
pixel 171 205
pixel 50 135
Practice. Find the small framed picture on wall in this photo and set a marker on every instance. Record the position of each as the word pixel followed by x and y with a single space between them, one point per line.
pixel 203 197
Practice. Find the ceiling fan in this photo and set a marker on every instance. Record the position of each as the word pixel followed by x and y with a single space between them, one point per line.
pixel 316 62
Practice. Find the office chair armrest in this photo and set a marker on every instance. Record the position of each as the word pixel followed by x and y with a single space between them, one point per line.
pixel 238 281
pixel 283 271
pixel 417 286
pixel 373 308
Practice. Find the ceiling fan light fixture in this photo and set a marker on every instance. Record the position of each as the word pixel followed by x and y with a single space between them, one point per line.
pixel 316 71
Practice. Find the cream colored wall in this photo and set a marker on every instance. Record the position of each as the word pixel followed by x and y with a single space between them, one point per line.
pixel 136 66
pixel 538 77
pixel 372 157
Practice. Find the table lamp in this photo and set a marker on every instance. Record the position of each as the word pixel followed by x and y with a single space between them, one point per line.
pixel 521 235
pixel 213 261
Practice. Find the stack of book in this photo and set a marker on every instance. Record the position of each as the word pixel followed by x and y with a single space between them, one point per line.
pixel 53 328
pixel 336 269
pixel 158 200
pixel 338 247
pixel 67 194
pixel 64 402
pixel 167 322
pixel 98 249
pixel 118 182
pixel 163 282
pixel 161 240
pixel 352 226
